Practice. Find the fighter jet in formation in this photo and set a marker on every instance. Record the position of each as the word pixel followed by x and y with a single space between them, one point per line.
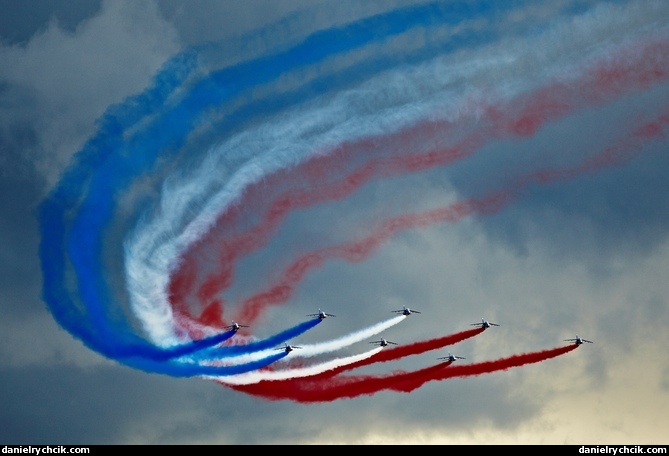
pixel 484 324
pixel 578 340
pixel 322 315
pixel 405 311
pixel 383 342
pixel 234 326
pixel 451 358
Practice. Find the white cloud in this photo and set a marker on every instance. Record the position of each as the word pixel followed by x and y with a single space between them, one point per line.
pixel 71 78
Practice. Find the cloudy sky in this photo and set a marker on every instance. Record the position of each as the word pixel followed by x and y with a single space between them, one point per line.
pixel 169 167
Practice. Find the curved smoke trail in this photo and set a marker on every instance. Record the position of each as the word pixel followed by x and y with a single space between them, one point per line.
pixel 143 236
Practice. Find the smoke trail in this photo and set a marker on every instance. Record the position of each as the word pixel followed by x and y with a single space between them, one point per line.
pixel 330 367
pixel 262 349
pixel 351 387
pixel 633 69
pixel 337 366
pixel 341 387
pixel 149 257
pixel 313 122
pixel 360 249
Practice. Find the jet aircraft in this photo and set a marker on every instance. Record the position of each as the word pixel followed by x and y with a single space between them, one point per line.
pixel 451 357
pixel 405 311
pixel 484 324
pixel 383 342
pixel 234 326
pixel 322 315
pixel 287 348
pixel 578 340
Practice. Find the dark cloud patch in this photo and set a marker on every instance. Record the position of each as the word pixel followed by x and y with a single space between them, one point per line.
pixel 101 405
pixel 616 213
pixel 18 137
pixel 22 19
pixel 617 209
pixel 20 193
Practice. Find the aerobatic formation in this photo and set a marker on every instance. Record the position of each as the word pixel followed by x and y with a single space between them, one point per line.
pixel 147 234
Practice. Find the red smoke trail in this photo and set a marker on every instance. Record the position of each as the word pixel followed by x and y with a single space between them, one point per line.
pixel 306 390
pixel 391 354
pixel 395 353
pixel 308 183
pixel 359 250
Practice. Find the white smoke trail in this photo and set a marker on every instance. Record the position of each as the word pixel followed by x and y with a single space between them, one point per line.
pixel 311 350
pixel 337 344
pixel 258 376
